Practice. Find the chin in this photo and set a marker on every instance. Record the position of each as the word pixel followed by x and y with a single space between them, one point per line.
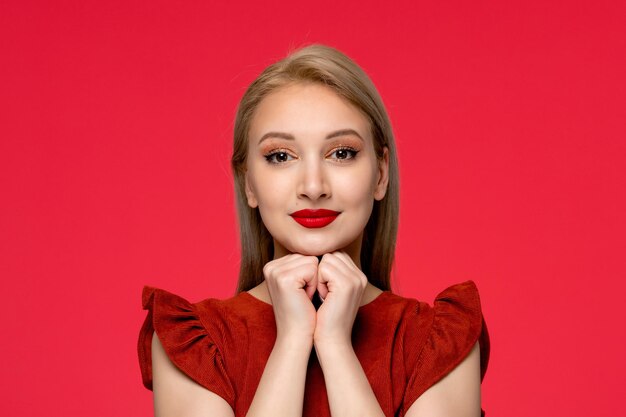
pixel 315 249
pixel 309 250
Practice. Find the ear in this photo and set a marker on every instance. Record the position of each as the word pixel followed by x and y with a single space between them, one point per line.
pixel 383 175
pixel 252 201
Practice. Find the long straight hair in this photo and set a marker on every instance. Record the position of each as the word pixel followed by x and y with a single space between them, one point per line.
pixel 325 65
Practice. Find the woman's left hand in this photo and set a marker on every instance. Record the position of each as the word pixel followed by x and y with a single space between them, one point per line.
pixel 341 284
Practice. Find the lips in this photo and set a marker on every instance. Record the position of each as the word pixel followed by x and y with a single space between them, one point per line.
pixel 314 218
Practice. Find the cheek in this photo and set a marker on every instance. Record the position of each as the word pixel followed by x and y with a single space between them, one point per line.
pixel 358 190
pixel 269 189
pixel 354 189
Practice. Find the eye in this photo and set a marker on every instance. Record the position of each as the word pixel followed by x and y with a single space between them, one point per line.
pixel 278 156
pixel 344 153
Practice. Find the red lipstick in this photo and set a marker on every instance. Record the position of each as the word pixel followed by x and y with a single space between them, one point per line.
pixel 314 218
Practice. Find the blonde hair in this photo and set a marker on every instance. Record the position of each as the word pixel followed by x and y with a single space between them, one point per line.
pixel 326 65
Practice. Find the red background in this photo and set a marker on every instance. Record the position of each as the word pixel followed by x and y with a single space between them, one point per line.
pixel 116 128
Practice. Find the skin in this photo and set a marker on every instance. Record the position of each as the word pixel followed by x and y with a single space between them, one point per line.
pixel 292 164
pixel 284 175
pixel 310 171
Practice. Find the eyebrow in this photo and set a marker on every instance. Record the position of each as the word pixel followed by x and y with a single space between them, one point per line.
pixel 282 135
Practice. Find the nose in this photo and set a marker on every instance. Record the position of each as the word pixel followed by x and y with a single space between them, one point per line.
pixel 312 181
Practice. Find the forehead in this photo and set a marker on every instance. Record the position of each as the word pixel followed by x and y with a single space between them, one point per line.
pixel 305 110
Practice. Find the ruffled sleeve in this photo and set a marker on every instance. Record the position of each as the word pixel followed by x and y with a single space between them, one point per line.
pixel 190 346
pixel 449 331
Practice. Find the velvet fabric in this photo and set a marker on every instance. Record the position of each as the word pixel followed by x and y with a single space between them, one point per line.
pixel 404 345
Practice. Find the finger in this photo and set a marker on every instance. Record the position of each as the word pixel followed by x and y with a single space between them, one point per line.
pixel 295 272
pixel 345 258
pixel 333 259
pixel 336 273
pixel 311 285
pixel 326 273
pixel 328 277
pixel 304 268
pixel 321 287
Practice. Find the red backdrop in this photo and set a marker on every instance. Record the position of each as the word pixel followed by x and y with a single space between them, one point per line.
pixel 116 126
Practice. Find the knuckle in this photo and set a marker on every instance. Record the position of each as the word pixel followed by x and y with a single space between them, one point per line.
pixel 282 283
pixel 272 272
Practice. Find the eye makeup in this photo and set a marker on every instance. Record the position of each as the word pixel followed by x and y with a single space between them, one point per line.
pixel 347 143
pixel 277 156
pixel 348 152
pixel 281 155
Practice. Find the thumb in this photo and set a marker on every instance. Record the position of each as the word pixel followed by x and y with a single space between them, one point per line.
pixel 311 285
pixel 322 288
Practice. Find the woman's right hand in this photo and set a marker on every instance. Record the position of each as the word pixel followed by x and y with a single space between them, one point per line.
pixel 292 282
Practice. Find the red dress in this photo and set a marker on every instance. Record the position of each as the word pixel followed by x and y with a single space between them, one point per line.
pixel 404 345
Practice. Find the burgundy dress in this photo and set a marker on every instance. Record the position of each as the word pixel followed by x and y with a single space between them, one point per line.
pixel 404 345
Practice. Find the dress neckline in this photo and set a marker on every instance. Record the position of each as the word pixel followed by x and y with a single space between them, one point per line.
pixel 361 308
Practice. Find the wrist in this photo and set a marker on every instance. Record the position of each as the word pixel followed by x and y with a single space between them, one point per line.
pixel 294 343
pixel 332 343
pixel 331 353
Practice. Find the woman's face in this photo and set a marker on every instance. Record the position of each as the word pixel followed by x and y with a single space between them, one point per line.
pixel 311 149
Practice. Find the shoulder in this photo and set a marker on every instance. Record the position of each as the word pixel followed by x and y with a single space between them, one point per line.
pixel 456 394
pixel 217 316
pixel 176 393
pixel 191 335
pixel 453 323
pixel 439 337
pixel 173 314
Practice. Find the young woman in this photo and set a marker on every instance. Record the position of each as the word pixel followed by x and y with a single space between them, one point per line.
pixel 314 329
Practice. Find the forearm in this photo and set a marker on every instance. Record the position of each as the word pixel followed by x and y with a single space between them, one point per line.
pixel 281 389
pixel 349 392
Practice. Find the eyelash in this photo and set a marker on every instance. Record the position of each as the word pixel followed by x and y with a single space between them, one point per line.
pixel 269 156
